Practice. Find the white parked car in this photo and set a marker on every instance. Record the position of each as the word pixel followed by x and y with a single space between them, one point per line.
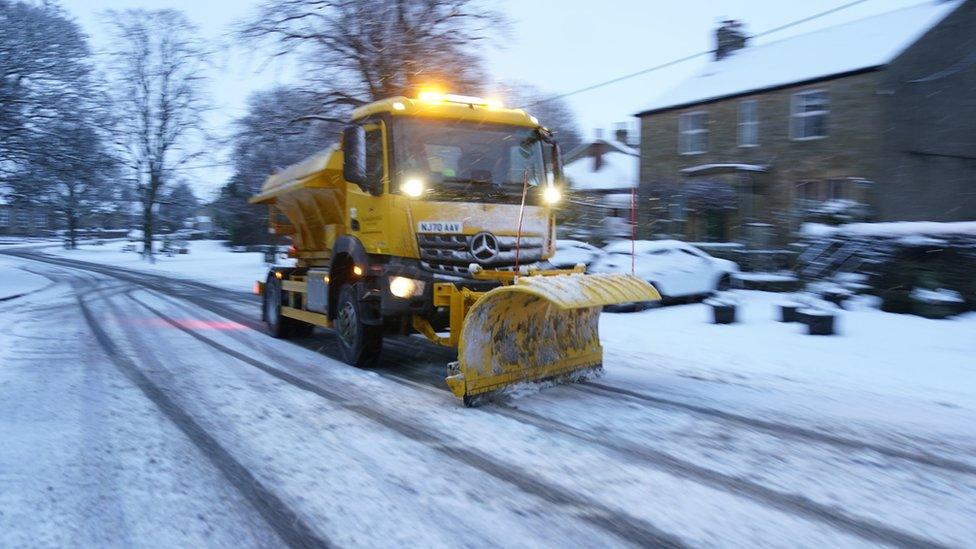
pixel 675 268
pixel 571 252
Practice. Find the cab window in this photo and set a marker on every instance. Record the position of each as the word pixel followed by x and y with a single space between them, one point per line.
pixel 374 158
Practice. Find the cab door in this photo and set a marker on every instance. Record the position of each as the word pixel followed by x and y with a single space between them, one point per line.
pixel 366 208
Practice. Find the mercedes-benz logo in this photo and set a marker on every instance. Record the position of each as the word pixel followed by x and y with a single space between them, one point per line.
pixel 484 247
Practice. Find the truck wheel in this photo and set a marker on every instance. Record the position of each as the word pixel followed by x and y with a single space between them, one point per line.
pixel 359 343
pixel 280 326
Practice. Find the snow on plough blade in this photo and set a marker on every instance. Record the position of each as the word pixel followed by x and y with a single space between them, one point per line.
pixel 541 327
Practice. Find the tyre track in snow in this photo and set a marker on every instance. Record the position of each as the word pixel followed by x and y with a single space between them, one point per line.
pixel 614 522
pixel 864 528
pixel 782 430
pixel 290 527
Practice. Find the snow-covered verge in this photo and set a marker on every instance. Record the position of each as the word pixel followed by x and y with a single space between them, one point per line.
pixel 10 242
pixel 902 373
pixel 15 281
pixel 209 261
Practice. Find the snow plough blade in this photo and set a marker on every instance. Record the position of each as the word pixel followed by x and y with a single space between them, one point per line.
pixel 541 327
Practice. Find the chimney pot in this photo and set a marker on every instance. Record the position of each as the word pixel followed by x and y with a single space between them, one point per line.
pixel 729 37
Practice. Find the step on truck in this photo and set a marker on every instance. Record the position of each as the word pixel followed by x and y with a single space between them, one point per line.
pixel 435 215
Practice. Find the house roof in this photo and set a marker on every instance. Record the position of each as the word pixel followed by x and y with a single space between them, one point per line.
pixel 618 170
pixel 612 145
pixel 856 46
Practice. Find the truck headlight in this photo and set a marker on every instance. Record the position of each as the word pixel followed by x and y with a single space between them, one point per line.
pixel 404 287
pixel 413 187
pixel 551 195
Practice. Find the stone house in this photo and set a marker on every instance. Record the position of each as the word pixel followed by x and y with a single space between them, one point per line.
pixel 875 116
pixel 601 174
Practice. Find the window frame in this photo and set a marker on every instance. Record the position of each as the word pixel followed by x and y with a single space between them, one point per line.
pixel 682 132
pixel 754 124
pixel 384 181
pixel 838 189
pixel 797 116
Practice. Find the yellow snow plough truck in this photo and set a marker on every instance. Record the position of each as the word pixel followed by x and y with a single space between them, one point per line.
pixel 435 216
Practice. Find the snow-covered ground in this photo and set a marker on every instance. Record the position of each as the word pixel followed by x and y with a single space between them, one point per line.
pixel 739 435
pixel 897 371
pixel 16 281
pixel 209 261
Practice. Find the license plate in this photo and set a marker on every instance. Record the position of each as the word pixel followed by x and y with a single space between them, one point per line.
pixel 439 227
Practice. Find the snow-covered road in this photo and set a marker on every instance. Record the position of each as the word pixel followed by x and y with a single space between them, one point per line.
pixel 140 410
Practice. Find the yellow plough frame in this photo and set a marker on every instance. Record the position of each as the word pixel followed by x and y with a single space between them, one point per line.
pixel 541 326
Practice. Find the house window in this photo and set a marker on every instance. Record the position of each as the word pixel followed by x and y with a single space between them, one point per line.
pixel 808 118
pixel 4 217
pixel 692 133
pixel 22 218
pixel 837 189
pixel 807 191
pixel 749 123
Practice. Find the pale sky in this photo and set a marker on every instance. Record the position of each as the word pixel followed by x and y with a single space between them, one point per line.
pixel 556 45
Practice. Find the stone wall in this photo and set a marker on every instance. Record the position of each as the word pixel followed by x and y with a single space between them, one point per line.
pixel 852 149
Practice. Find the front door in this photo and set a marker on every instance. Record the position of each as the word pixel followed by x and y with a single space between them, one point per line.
pixel 716 226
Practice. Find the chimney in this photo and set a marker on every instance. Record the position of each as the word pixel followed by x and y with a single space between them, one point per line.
pixel 597 149
pixel 730 36
pixel 620 132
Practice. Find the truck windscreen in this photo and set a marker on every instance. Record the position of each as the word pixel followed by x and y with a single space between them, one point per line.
pixel 468 156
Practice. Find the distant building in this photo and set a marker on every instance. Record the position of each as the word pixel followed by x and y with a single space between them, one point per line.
pixel 601 175
pixel 880 111
pixel 26 221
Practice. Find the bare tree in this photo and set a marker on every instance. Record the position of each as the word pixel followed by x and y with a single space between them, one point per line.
pixel 157 65
pixel 268 138
pixel 364 51
pixel 52 152
pixel 44 75
pixel 75 175
pixel 555 113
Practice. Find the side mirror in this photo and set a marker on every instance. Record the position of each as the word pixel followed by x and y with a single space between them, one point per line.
pixel 557 164
pixel 354 154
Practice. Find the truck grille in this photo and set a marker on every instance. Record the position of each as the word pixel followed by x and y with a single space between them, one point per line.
pixel 451 254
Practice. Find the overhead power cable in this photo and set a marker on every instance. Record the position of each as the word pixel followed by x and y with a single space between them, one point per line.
pixel 695 55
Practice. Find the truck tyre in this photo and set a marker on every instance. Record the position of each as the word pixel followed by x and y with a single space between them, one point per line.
pixel 280 326
pixel 359 343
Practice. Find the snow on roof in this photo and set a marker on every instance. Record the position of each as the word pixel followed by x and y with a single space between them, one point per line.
pixel 614 145
pixel 618 171
pixel 862 44
pixel 618 199
pixel 704 168
pixel 642 246
pixel 892 229
pixel 622 147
